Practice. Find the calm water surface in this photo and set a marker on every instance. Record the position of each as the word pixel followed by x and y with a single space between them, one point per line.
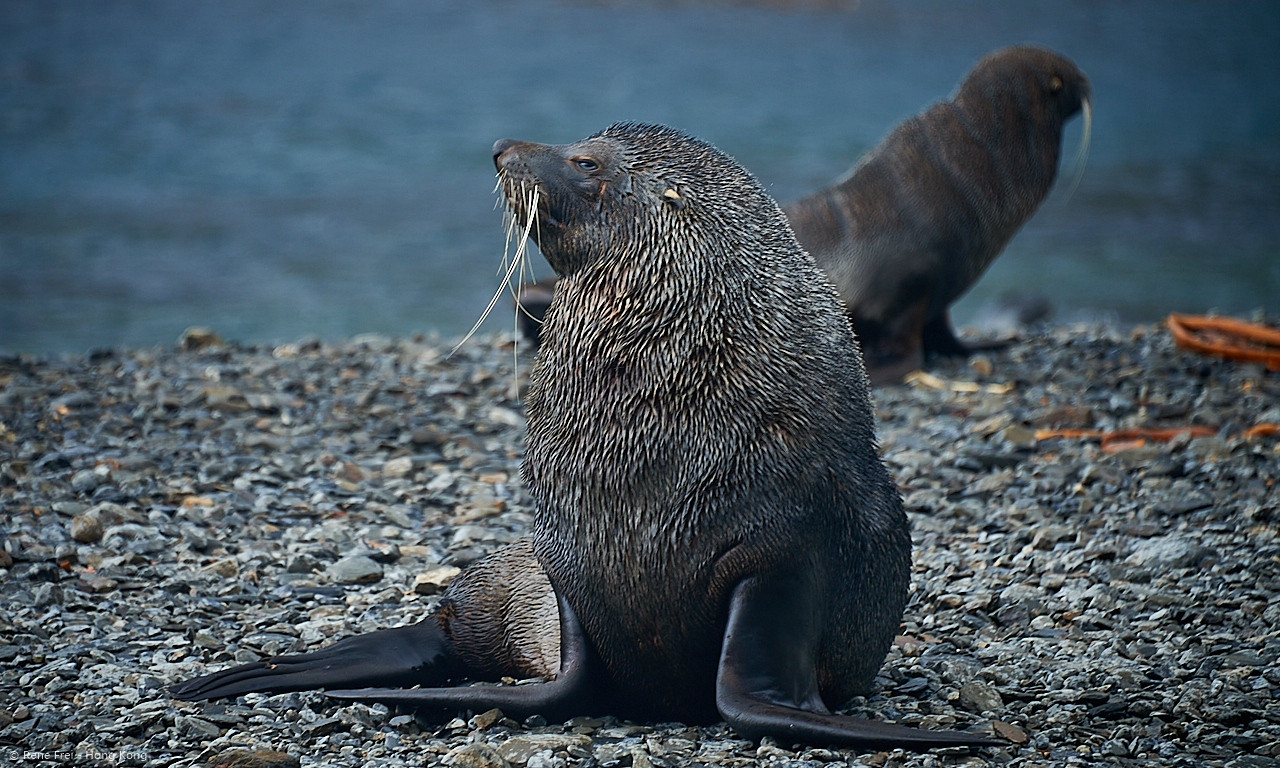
pixel 285 168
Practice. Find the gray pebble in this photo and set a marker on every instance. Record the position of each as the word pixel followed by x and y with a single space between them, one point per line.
pixel 1173 551
pixel 356 569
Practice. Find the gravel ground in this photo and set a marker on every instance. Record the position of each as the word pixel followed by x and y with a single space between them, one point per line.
pixel 170 511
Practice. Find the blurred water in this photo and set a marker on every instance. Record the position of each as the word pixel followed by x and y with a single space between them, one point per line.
pixel 284 168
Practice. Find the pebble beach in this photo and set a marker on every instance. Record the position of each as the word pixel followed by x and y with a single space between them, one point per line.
pixel 1096 562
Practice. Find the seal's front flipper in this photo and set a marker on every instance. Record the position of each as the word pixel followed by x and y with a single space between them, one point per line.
pixel 767 683
pixel 414 655
pixel 557 698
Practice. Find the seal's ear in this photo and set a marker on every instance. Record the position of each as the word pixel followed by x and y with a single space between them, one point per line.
pixel 673 198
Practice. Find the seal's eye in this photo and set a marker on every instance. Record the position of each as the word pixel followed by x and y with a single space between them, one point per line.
pixel 1055 84
pixel 586 164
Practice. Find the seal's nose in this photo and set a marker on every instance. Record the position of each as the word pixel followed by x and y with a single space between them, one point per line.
pixel 500 146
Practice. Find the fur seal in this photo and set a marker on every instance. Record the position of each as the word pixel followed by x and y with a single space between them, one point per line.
pixel 715 535
pixel 919 218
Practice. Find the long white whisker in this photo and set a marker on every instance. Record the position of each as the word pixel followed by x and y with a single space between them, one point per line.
pixel 506 280
pixel 1082 152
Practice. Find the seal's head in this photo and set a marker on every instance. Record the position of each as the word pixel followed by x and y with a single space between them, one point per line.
pixel 1024 81
pixel 628 184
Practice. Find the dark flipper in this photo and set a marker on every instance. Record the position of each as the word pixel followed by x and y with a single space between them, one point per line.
pixel 555 699
pixel 892 350
pixel 403 656
pixel 939 338
pixel 767 682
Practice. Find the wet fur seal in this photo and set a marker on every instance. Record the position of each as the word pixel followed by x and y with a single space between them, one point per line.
pixel 715 535
pixel 914 224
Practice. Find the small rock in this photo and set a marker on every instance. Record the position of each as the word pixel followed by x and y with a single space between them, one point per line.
pixel 485 719
pixel 398 467
pixel 256 758
pixel 1173 551
pixel 1011 732
pixel 978 696
pixel 69 508
pixel 434 581
pixel 1019 435
pixel 227 568
pixel 196 728
pixel 322 727
pixel 383 553
pixel 45 595
pixel 110 515
pixel 914 686
pixel 86 529
pixel 1074 416
pixel 477 509
pixel 356 569
pixel 1115 747
pixel 349 471
pixel 1049 535
pixel 518 749
pixel 1184 503
pixel 95 584
pixel 479 755
pixel 303 563
pixel 225 399
pixel 981 365
pixel 85 481
pixel 197 337
pixel 430 435
pixel 1242 659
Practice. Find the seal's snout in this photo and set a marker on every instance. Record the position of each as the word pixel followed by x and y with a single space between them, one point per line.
pixel 499 148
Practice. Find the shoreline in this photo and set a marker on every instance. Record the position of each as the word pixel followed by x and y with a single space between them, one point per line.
pixel 168 511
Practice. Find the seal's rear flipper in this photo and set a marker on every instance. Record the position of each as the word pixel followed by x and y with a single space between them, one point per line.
pixel 404 656
pixel 767 683
pixel 558 698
